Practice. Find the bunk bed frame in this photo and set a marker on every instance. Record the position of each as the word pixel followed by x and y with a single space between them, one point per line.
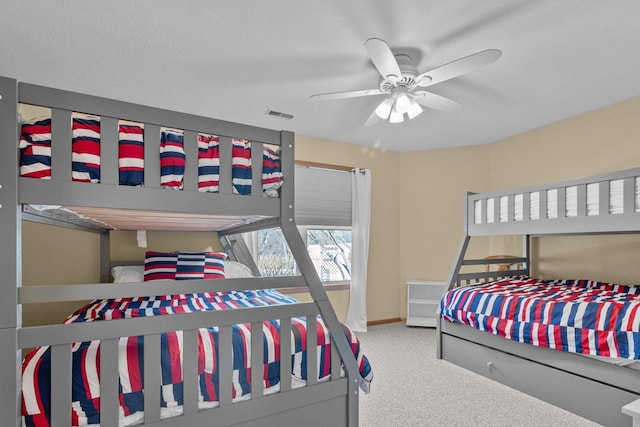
pixel 589 387
pixel 334 402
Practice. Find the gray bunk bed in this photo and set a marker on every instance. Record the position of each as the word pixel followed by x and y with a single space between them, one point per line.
pixel 331 402
pixel 591 387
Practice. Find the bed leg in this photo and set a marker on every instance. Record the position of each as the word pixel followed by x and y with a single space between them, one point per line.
pixel 633 410
pixel 438 338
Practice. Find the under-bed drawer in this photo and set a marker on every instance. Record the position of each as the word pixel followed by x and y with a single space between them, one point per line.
pixel 591 399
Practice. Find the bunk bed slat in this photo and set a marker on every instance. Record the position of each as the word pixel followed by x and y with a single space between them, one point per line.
pixel 151 156
pixel 61 377
pixel 152 376
pixel 582 200
pixel 190 370
pixel 257 361
pixel 191 167
pixel 256 166
pixel 629 195
pixel 60 145
pixel 109 403
pixel 225 166
pixel 225 365
pixel 335 362
pixel 312 356
pixel 109 151
pixel 285 354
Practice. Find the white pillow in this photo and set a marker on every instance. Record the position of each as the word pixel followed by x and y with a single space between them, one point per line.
pixel 128 273
pixel 234 270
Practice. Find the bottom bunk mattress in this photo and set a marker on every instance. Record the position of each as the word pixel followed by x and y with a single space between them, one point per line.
pixel 578 316
pixel 36 367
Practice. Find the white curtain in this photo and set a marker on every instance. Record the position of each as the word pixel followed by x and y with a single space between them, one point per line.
pixel 361 219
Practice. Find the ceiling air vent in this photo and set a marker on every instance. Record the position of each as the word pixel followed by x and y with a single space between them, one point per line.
pixel 279 114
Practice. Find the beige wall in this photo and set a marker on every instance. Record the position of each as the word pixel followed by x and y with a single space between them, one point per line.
pixel 47 254
pixel 597 142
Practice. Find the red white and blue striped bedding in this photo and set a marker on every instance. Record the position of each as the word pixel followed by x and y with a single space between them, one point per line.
pixel 85 393
pixel 578 316
pixel 35 156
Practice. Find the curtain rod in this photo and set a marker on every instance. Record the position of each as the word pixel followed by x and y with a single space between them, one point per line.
pixel 324 166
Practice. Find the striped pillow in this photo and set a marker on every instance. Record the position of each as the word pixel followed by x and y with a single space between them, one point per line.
pixel 85 143
pixel 271 171
pixel 183 265
pixel 208 163
pixel 241 166
pixel 172 159
pixel 35 149
pixel 130 153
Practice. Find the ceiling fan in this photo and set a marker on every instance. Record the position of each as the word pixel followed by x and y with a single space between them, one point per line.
pixel 401 82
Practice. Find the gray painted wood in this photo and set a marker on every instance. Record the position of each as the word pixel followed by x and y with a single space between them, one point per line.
pixel 109 401
pixel 312 356
pixel 78 332
pixel 109 151
pixel 10 254
pixel 558 387
pixel 151 156
pixel 257 361
pixel 52 293
pixel 256 169
pixel 225 367
pixel 73 101
pixel 190 371
pixel 285 354
pixel 61 385
pixel 225 186
pixel 152 378
pixel 191 154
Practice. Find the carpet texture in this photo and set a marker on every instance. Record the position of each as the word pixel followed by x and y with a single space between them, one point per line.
pixel 413 388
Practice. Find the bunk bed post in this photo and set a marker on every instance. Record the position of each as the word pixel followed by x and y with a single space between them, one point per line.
pixel 526 243
pixel 305 265
pixel 10 256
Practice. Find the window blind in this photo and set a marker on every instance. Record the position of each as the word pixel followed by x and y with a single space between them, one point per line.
pixel 322 197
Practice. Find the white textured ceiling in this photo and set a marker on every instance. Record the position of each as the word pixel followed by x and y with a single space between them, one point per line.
pixel 234 60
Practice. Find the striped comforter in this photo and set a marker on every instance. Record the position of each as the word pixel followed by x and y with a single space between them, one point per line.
pixel 36 390
pixel 578 316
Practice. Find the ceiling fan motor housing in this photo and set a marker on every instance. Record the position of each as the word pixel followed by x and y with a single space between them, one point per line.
pixel 408 71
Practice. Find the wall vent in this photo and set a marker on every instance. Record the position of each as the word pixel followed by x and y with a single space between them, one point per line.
pixel 279 114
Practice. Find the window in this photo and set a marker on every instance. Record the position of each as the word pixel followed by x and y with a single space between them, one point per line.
pixel 323 215
pixel 329 250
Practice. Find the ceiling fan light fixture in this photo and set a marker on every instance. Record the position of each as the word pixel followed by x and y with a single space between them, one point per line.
pixel 403 102
pixel 414 109
pixel 384 108
pixel 396 116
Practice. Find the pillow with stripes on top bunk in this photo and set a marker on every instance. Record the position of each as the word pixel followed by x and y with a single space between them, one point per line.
pixel 183 265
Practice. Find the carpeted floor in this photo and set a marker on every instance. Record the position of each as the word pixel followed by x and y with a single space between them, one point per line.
pixel 413 388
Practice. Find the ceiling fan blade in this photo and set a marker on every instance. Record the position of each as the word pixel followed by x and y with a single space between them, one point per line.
pixel 344 95
pixel 459 67
pixel 436 102
pixel 372 120
pixel 383 58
